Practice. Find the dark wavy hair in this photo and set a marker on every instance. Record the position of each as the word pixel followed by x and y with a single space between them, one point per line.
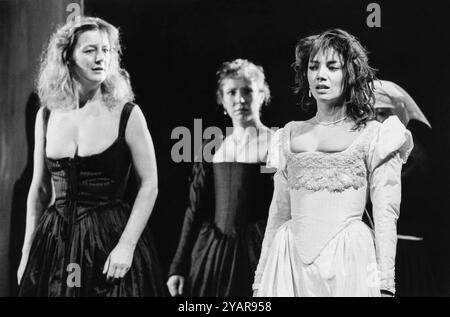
pixel 358 79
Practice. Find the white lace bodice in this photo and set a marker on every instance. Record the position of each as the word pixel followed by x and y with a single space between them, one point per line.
pixel 321 193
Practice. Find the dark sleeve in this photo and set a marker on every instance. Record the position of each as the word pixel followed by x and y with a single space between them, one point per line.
pixel 198 209
pixel 417 196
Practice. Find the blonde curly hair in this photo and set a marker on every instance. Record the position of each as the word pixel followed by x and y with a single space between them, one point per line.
pixel 55 84
pixel 242 68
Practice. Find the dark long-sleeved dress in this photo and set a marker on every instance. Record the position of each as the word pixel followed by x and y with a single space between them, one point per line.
pixel 223 228
pixel 414 273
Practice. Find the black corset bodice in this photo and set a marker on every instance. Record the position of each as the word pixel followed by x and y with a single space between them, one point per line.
pixel 88 183
pixel 223 227
pixel 83 226
pixel 242 194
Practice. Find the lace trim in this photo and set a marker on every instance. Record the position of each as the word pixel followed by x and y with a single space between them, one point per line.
pixel 318 171
pixel 335 172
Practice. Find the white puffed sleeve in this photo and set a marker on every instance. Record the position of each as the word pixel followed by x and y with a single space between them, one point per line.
pixel 388 150
pixel 280 207
pixel 275 157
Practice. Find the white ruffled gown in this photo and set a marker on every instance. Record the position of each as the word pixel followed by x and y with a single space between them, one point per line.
pixel 315 242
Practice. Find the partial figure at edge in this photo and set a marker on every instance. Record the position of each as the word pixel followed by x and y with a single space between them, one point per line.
pixel 414 272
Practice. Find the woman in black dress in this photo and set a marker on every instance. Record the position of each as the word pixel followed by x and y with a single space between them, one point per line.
pixel 229 197
pixel 81 238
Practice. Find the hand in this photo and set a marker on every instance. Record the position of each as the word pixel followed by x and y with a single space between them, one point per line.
pixel 175 283
pixel 118 262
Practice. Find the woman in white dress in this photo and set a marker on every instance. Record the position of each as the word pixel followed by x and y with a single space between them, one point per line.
pixel 315 242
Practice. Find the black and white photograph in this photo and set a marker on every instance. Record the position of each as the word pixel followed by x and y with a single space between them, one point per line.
pixel 240 150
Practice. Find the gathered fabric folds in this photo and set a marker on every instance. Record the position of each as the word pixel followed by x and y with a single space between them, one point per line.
pixel 223 229
pixel 346 267
pixel 315 243
pixel 223 265
pixel 76 234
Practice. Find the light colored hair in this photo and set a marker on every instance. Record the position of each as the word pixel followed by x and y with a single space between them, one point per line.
pixel 56 86
pixel 238 69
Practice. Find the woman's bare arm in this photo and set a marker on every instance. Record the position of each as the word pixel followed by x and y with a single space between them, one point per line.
pixel 39 194
pixel 144 161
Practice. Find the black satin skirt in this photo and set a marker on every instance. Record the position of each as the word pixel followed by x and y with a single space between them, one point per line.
pixel 68 259
pixel 224 265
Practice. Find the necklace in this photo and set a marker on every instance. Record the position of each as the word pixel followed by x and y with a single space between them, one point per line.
pixel 329 123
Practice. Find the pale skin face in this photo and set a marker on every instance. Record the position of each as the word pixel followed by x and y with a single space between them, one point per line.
pixel 242 99
pixel 89 65
pixel 326 81
pixel 325 77
pixel 89 131
pixel 91 59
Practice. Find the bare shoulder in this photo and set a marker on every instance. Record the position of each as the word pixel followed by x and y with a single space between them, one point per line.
pixel 40 115
pixel 137 116
pixel 372 125
pixel 39 124
pixel 137 124
pixel 40 111
pixel 297 128
pixel 117 110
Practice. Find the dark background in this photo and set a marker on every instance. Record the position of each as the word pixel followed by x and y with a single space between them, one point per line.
pixel 172 49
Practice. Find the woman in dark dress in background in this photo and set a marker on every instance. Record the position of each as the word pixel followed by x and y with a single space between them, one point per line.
pixel 81 238
pixel 229 197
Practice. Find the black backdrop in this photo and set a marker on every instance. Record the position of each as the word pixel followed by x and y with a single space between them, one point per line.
pixel 172 49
